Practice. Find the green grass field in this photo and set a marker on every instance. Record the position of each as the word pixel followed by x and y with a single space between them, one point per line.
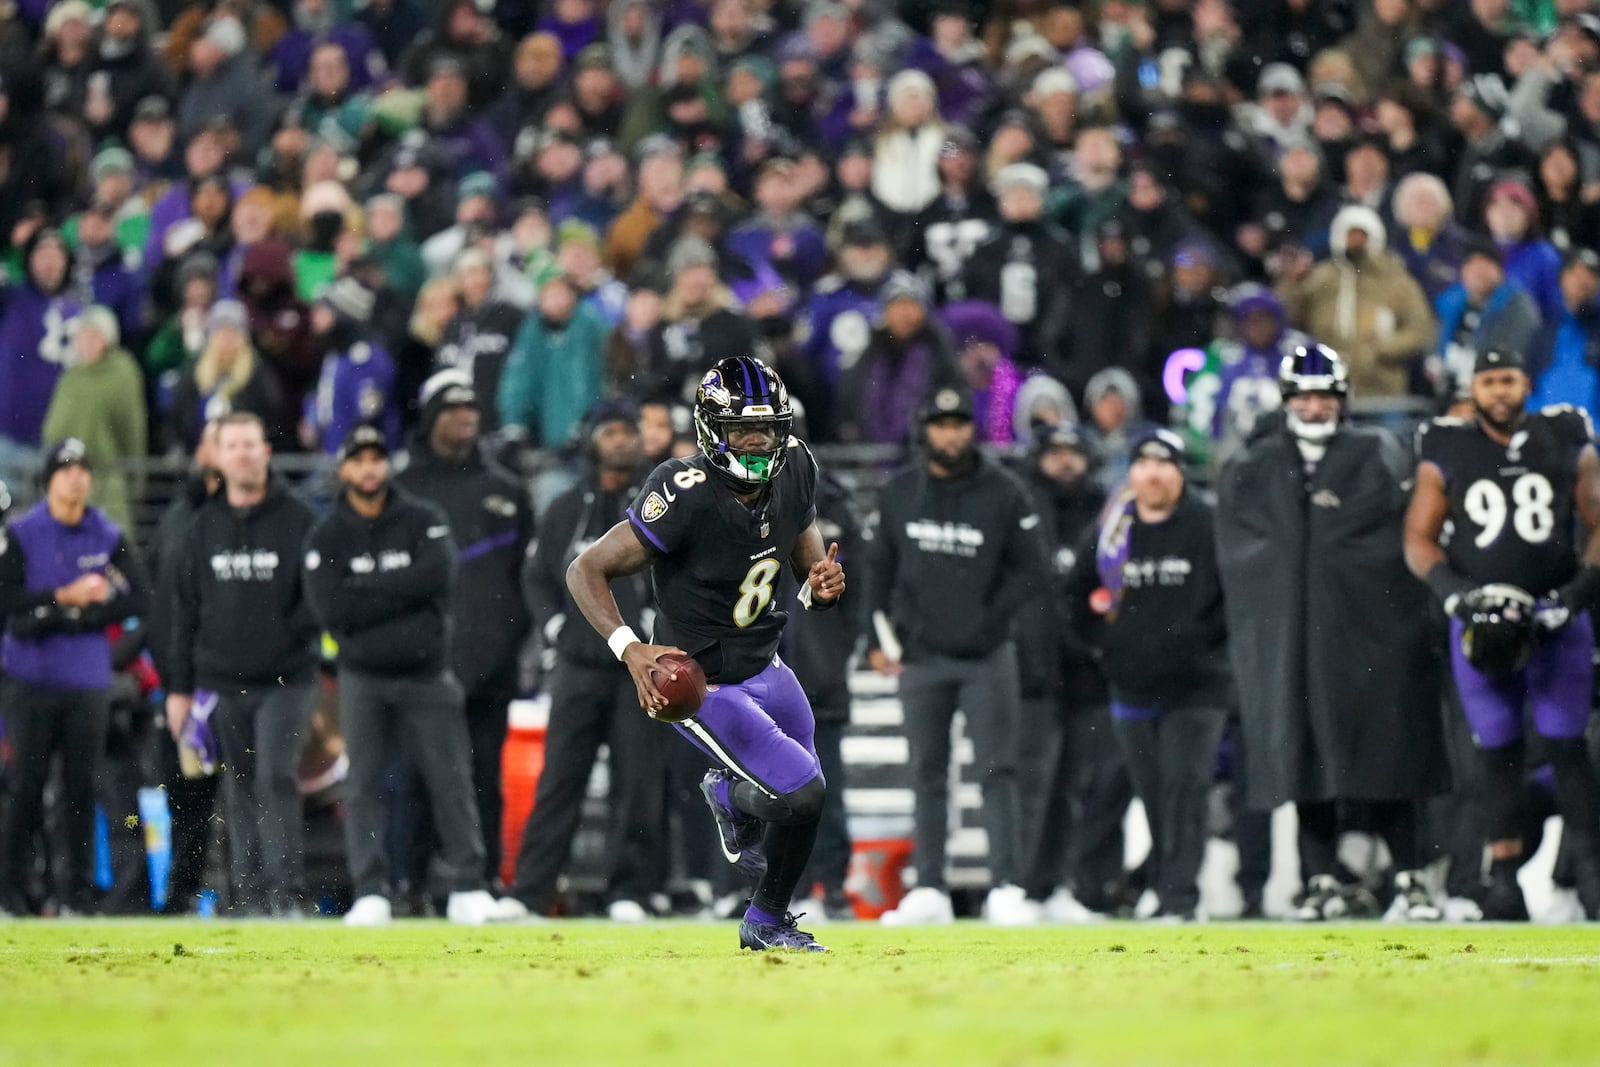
pixel 180 993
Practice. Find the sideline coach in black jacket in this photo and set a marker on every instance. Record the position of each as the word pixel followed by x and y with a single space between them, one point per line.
pixel 1146 591
pixel 243 647
pixel 956 553
pixel 491 522
pixel 380 569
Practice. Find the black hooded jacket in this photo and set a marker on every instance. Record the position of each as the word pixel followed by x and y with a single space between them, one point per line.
pixel 382 586
pixel 491 521
pixel 240 616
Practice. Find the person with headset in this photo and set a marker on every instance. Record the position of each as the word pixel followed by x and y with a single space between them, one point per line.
pixel 956 552
pixel 593 700
pixel 491 520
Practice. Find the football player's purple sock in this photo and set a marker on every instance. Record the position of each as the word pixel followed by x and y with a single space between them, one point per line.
pixel 723 789
pixel 754 914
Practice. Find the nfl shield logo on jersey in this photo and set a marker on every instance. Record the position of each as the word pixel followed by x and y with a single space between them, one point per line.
pixel 654 507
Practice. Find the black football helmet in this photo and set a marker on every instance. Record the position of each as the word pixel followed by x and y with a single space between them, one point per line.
pixel 742 390
pixel 1313 368
pixel 1498 634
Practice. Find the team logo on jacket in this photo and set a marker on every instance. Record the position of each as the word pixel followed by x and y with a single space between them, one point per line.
pixel 258 565
pixel 654 507
pixel 496 504
pixel 370 401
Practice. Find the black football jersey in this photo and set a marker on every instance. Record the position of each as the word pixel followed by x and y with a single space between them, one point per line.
pixel 1511 506
pixel 719 562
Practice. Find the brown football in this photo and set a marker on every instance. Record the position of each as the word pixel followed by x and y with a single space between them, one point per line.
pixel 683 683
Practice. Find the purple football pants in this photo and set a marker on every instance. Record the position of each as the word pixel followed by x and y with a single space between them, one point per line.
pixel 760 729
pixel 1557 682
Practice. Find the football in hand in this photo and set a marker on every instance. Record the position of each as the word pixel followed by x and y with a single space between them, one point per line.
pixel 683 683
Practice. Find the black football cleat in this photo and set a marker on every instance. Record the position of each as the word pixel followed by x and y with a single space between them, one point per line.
pixel 785 935
pixel 739 834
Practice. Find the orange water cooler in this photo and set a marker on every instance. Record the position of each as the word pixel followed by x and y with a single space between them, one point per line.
pixel 520 765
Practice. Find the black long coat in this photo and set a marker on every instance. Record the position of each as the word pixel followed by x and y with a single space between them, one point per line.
pixel 1334 645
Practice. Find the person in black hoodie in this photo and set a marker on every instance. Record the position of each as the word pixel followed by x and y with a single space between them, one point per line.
pixel 1146 592
pixel 1109 321
pixel 380 571
pixel 959 219
pixel 241 656
pixel 955 556
pixel 593 700
pixel 1026 266
pixel 1075 786
pixel 491 519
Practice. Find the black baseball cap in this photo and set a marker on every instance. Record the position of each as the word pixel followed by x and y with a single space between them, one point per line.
pixel 948 402
pixel 361 438
pixel 1497 359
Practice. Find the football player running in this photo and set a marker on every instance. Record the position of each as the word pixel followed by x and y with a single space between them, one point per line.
pixel 715 529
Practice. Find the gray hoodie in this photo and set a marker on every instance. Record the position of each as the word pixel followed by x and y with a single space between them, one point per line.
pixel 1114 446
pixel 1041 390
pixel 634 60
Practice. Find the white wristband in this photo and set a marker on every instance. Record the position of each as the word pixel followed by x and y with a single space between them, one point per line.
pixel 620 639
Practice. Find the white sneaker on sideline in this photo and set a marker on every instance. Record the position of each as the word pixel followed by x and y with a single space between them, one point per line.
pixel 1565 907
pixel 728 906
pixel 1147 905
pixel 472 908
pixel 370 910
pixel 1008 905
pixel 1412 902
pixel 627 911
pixel 512 910
pixel 1462 910
pixel 812 908
pixel 1063 907
pixel 924 905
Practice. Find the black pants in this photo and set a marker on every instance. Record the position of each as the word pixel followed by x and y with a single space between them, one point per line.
pixel 987 690
pixel 1075 792
pixel 591 706
pixel 830 856
pixel 1455 824
pixel 424 714
pixel 415 841
pixel 1321 822
pixel 486 733
pixel 1171 757
pixel 41 723
pixel 1252 829
pixel 261 732
pixel 122 774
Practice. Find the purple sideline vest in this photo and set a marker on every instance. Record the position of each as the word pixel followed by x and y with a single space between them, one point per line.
pixel 56 555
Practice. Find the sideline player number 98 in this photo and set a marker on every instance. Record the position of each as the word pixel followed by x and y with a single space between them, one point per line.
pixel 1531 514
